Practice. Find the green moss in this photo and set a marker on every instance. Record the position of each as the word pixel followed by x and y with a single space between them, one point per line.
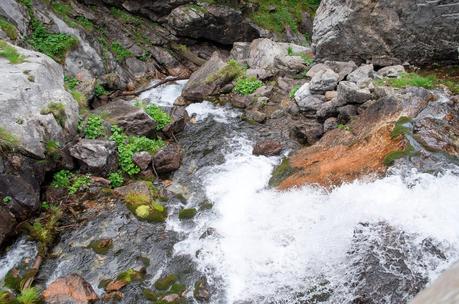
pixel 9 29
pixel 55 45
pixel 10 53
pixel 178 288
pixel 410 80
pixel 399 128
pixel 188 213
pixel 57 109
pixel 131 275
pixel 150 295
pixel 145 209
pixel 8 141
pixel 166 282
pixel 101 246
pixel 230 71
pixel 293 91
pixel 281 172
pixel 391 157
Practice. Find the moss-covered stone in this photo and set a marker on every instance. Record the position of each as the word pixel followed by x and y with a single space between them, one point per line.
pixel 230 71
pixel 400 128
pixel 391 157
pixel 101 246
pixel 166 282
pixel 131 275
pixel 281 172
pixel 188 213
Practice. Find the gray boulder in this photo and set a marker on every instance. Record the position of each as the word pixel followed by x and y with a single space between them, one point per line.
pixel 7 223
pixel 142 159
pixel 168 159
pixel 95 156
pixel 393 71
pixel 343 68
pixel 324 80
pixel 387 32
pixel 362 76
pixel 349 93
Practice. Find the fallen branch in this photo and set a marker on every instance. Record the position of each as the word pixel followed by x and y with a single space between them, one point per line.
pixel 154 86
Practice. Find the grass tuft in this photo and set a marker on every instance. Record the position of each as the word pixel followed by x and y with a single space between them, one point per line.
pixel 10 53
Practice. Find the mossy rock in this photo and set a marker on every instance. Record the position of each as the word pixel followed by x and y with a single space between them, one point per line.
pixel 400 128
pixel 131 275
pixel 101 246
pixel 206 205
pixel 166 282
pixel 391 157
pixel 178 288
pixel 187 213
pixel 281 172
pixel 150 295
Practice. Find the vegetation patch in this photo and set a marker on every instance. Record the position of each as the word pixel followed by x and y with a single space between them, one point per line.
pixel 120 52
pixel 10 53
pixel 116 179
pixel 55 45
pixel 57 109
pixel 99 90
pixel 125 17
pixel 72 182
pixel 128 145
pixel 247 85
pixel 94 127
pixel 52 150
pixel 281 172
pixel 29 296
pixel 166 282
pixel 9 29
pixel 85 23
pixel 293 91
pixel 391 157
pixel 400 127
pixel 144 208
pixel 8 141
pixel 230 71
pixel 161 118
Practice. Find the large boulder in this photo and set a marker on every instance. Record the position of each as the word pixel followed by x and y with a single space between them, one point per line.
pixel 168 159
pixel 217 23
pixel 386 32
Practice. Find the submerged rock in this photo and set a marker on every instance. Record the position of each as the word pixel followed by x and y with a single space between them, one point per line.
pixel 72 289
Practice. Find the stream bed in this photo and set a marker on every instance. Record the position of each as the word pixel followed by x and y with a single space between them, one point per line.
pixel 370 241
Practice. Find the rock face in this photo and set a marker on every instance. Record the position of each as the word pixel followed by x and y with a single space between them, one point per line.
pixel 217 23
pixel 386 32
pixel 7 223
pixel 95 156
pixel 72 289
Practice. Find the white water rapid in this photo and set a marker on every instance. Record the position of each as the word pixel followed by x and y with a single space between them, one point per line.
pixel 270 246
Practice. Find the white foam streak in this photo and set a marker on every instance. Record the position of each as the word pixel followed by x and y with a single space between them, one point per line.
pixel 205 109
pixel 164 95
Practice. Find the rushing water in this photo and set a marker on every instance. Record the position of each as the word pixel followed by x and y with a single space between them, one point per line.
pixel 306 245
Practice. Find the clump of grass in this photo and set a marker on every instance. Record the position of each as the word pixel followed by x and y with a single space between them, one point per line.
pixel 57 109
pixel 343 127
pixel 125 17
pixel 9 29
pixel 43 230
pixel 55 45
pixel 8 141
pixel 293 91
pixel 399 128
pixel 85 23
pixel 120 52
pixel 247 85
pixel 52 150
pixel 29 296
pixel 410 80
pixel 9 52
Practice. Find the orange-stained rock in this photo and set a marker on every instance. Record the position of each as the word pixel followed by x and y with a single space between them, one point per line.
pixel 71 289
pixel 345 155
pixel 115 285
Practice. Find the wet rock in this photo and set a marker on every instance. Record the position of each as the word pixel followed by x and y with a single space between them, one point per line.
pixel 133 120
pixel 218 23
pixel 256 116
pixel 7 224
pixel 343 68
pixel 179 117
pixel 95 156
pixel 269 147
pixel 322 81
pixel 201 290
pixel 330 124
pixel 239 101
pixel 72 289
pixel 187 213
pixel 168 159
pixel 172 298
pixel 308 133
pixel 140 187
pixel 391 71
pixel 22 197
pixel 362 76
pixel 349 93
pixel 142 159
pixel 363 31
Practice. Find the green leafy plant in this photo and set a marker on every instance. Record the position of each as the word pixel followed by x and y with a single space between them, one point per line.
pixel 57 109
pixel 85 23
pixel 94 127
pixel 247 85
pixel 343 127
pixel 45 205
pixel 71 82
pixel 55 45
pixel 9 29
pixel 120 52
pixel 116 179
pixel 157 114
pixel 99 90
pixel 61 179
pixel 10 53
pixel 78 183
pixel 7 199
pixel 293 91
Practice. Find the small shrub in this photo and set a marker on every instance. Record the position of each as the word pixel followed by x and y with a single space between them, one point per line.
pixel 247 85
pixel 116 179
pixel 79 183
pixel 29 296
pixel 10 53
pixel 7 199
pixel 157 114
pixel 71 82
pixel 55 45
pixel 57 109
pixel 9 29
pixel 120 52
pixel 94 127
pixel 99 90
pixel 7 140
pixel 61 179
